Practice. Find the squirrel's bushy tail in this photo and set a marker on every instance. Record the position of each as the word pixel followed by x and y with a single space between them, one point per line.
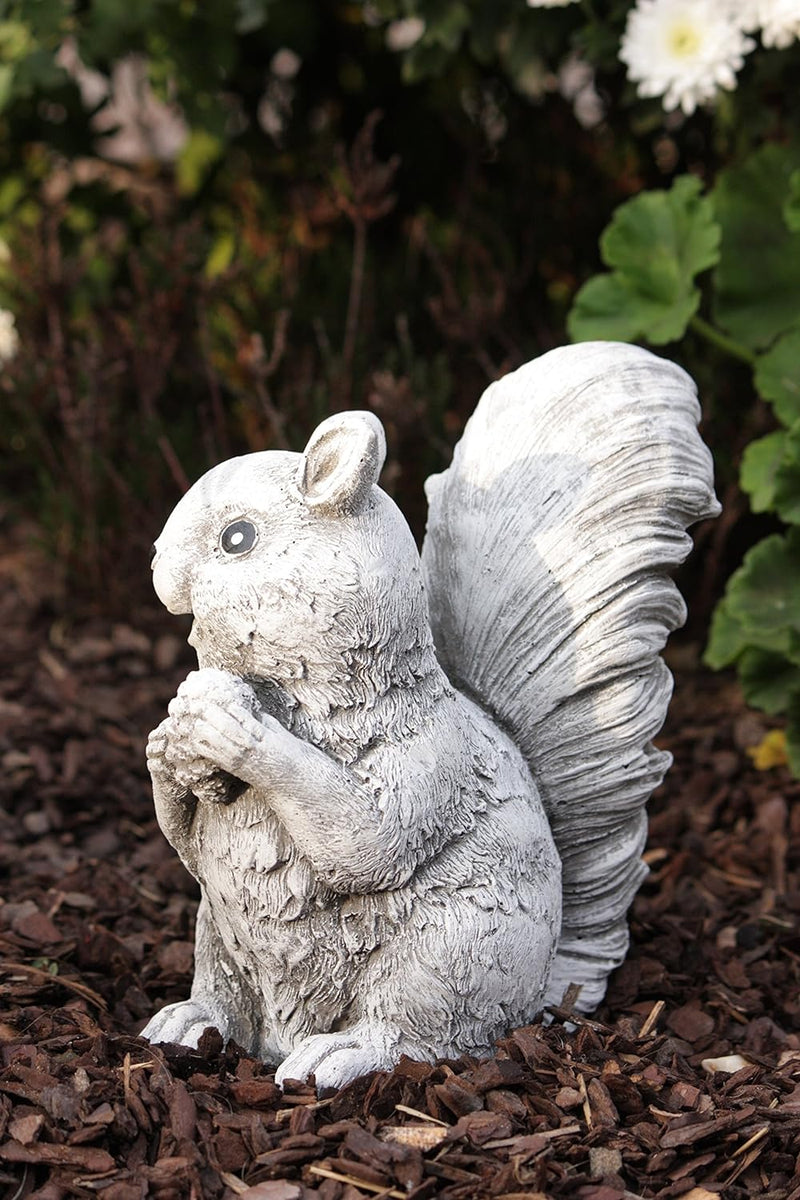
pixel 546 560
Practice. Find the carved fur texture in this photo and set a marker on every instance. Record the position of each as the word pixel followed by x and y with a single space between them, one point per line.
pixel 549 543
pixel 379 851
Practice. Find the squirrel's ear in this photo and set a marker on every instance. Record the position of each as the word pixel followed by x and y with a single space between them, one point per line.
pixel 341 462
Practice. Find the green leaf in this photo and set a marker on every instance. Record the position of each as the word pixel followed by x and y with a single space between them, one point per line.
pixel 791 209
pixel 764 594
pixel 609 307
pixel 606 307
pixel 727 638
pixel 16 40
pixel 769 681
pixel 663 238
pixel 199 154
pixel 657 243
pixel 447 23
pixel 423 61
pixel 758 277
pixel 760 463
pixel 221 254
pixel 786 498
pixel 6 84
pixel 12 190
pixel 777 376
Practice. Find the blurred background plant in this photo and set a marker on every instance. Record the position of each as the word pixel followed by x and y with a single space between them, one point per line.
pixel 220 221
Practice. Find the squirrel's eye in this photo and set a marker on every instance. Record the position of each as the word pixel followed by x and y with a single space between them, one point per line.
pixel 238 537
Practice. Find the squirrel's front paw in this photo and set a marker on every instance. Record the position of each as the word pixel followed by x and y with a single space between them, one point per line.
pixel 157 744
pixel 214 720
pixel 212 685
pixel 171 761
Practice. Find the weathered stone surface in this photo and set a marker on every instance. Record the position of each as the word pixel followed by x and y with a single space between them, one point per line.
pixel 380 852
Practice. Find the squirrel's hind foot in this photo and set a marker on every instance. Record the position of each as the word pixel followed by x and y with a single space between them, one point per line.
pixel 183 1024
pixel 336 1058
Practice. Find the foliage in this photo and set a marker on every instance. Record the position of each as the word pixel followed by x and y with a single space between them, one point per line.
pixel 296 255
pixel 214 238
pixel 658 243
pixel 757 285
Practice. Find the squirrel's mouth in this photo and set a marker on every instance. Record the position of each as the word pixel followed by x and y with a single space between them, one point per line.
pixel 224 649
pixel 209 649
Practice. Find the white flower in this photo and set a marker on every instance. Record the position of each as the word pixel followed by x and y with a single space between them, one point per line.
pixel 285 63
pixel 404 33
pixel 779 21
pixel 9 338
pixel 137 125
pixel 549 3
pixel 744 13
pixel 576 83
pixel 683 50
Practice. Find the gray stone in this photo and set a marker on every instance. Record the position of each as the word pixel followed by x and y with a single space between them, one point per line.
pixel 413 791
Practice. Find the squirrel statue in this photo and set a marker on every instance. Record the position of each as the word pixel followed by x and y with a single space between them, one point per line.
pixel 412 788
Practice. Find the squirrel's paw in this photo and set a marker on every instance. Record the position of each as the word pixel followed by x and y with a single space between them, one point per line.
pixel 211 729
pixel 167 760
pixel 157 744
pixel 212 685
pixel 220 726
pixel 183 1023
pixel 336 1058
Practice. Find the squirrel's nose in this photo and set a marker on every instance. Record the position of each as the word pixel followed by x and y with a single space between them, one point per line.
pixel 172 583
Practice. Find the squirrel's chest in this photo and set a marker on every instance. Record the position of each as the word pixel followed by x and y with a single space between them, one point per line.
pixel 249 864
pixel 267 902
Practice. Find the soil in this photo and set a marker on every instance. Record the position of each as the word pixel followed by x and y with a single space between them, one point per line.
pixel 686 1083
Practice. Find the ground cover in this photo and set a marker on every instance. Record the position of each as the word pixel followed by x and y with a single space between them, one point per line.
pixel 96 926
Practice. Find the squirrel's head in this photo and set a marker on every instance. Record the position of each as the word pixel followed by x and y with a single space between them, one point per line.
pixel 295 565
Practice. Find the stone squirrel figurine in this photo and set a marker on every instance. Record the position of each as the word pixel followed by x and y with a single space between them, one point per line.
pixel 413 789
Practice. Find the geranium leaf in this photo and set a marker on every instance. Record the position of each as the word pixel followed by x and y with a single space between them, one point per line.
pixel 786 497
pixel 662 240
pixel 777 376
pixel 791 209
pixel 758 277
pixel 760 463
pixel 764 594
pixel 768 681
pixel 727 638
pixel 656 244
pixel 609 307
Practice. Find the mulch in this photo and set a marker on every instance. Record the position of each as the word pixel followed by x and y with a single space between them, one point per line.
pixel 686 1083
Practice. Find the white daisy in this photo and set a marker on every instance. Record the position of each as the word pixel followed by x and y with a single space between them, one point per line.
pixel 779 21
pixel 744 13
pixel 9 338
pixel 683 50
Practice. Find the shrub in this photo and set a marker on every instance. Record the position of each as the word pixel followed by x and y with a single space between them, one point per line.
pixel 214 239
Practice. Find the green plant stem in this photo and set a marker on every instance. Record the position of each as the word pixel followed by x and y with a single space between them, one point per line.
pixel 722 341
